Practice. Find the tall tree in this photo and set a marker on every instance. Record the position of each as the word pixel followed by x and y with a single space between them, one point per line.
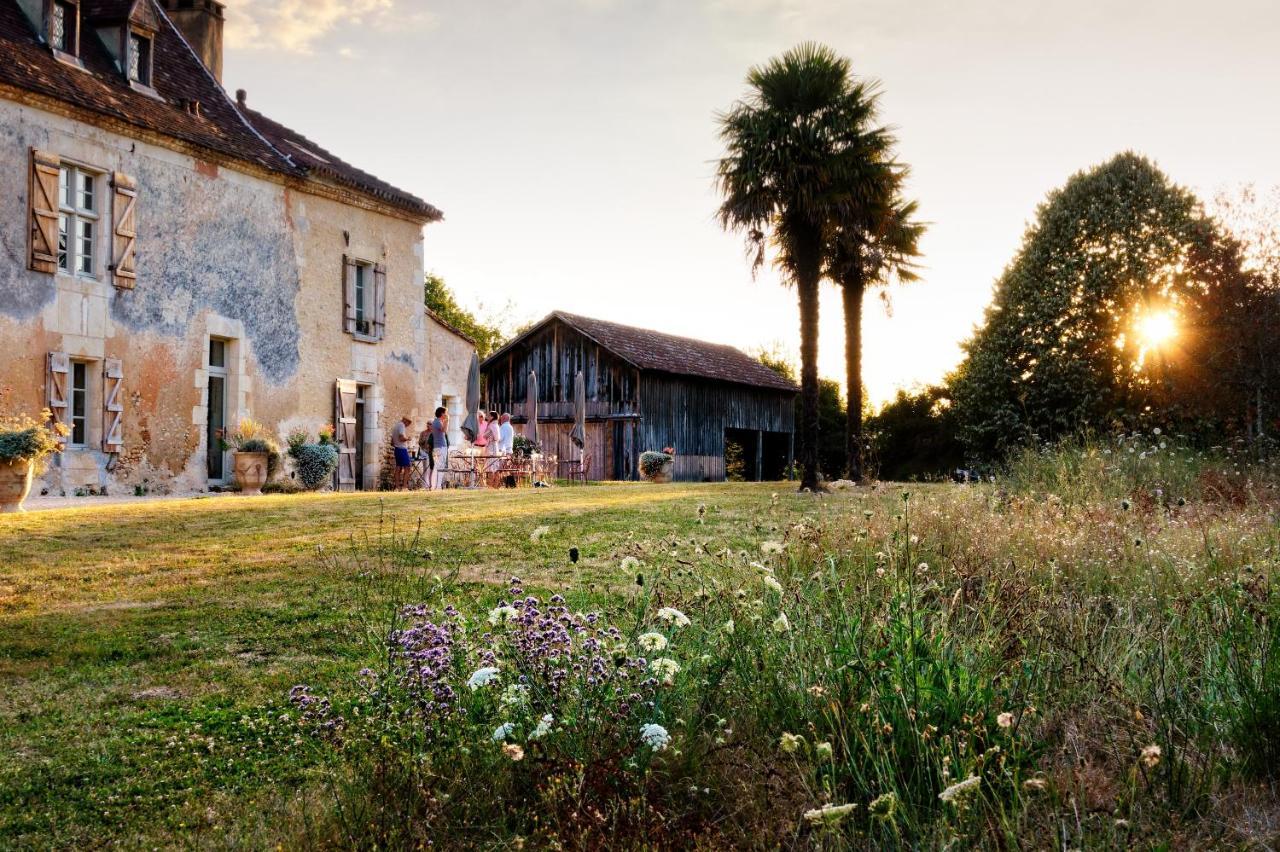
pixel 796 159
pixel 1106 316
pixel 872 244
pixel 486 334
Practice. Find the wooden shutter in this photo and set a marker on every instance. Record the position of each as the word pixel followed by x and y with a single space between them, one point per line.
pixel 348 295
pixel 344 422
pixel 58 375
pixel 112 406
pixel 379 300
pixel 124 231
pixel 43 201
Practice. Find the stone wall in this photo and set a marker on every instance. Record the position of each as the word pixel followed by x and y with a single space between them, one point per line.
pixel 219 253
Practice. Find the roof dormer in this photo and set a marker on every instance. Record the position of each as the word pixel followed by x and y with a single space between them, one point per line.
pixel 127 28
pixel 62 27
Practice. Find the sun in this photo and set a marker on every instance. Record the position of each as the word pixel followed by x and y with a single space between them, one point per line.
pixel 1157 328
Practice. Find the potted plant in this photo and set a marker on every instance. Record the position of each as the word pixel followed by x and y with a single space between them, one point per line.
pixel 24 445
pixel 314 463
pixel 256 456
pixel 655 466
pixel 522 447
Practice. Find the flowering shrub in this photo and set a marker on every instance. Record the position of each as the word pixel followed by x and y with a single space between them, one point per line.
pixel 315 462
pixel 651 463
pixel 522 447
pixel 24 439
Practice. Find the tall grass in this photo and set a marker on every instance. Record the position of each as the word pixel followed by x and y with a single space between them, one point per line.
pixel 1049 661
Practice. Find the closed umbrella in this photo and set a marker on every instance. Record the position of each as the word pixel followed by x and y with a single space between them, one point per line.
pixel 579 432
pixel 471 425
pixel 531 427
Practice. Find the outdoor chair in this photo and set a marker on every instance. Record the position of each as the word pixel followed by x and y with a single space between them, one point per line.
pixel 577 471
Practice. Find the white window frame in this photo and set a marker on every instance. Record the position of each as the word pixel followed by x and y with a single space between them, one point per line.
pixel 73 215
pixel 363 295
pixel 84 392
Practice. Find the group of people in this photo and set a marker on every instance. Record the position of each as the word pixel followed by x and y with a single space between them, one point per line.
pixel 495 436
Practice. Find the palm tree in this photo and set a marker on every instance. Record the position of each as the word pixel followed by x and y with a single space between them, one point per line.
pixel 870 246
pixel 798 151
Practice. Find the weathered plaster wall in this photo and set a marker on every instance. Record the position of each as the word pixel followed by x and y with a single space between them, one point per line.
pixel 219 253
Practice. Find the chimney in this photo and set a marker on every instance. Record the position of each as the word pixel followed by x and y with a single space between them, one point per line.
pixel 200 22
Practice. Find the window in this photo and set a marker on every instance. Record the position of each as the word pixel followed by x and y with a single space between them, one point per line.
pixel 77 220
pixel 363 280
pixel 140 59
pixel 79 403
pixel 63 20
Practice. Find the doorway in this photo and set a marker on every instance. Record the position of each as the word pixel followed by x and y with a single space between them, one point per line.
pixel 360 435
pixel 216 419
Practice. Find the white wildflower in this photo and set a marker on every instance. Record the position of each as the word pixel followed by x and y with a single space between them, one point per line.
pixel 961 789
pixel 513 751
pixel 539 532
pixel 515 697
pixel 828 816
pixel 502 614
pixel 823 751
pixel 665 669
pixel 654 736
pixel 630 563
pixel 652 642
pixel 503 731
pixel 542 728
pixel 673 616
pixel 482 677
pixel 727 627
pixel 781 624
pixel 1005 720
pixel 768 547
pixel 773 584
pixel 1151 756
pixel 789 743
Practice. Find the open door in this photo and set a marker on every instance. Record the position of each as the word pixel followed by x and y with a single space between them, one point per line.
pixel 346 432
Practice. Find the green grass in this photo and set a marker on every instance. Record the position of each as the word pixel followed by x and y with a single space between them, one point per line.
pixel 129 632
pixel 147 650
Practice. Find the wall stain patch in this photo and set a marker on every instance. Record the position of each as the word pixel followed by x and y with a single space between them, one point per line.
pixel 214 244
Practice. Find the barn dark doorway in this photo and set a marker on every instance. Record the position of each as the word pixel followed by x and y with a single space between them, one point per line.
pixel 754 455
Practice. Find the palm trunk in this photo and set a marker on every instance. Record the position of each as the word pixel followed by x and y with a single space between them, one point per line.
pixel 852 290
pixel 808 278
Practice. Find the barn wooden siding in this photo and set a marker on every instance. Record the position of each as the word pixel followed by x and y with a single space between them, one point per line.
pixel 690 414
pixel 629 410
pixel 556 353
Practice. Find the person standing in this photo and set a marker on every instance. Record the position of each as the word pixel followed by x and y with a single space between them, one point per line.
pixel 439 446
pixel 494 443
pixel 400 444
pixel 506 435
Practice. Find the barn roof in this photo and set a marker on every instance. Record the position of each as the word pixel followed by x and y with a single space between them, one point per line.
pixel 188 105
pixel 668 353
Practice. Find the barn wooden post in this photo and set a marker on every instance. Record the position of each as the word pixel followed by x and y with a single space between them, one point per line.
pixel 791 454
pixel 759 455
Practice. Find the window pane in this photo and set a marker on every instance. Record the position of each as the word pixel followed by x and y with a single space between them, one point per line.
pixel 58 27
pixel 359 294
pixel 85 256
pixel 86 191
pixel 79 375
pixel 217 353
pixel 64 187
pixel 135 46
pixel 62 242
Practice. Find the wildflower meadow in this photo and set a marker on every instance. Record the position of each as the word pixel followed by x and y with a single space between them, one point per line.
pixel 1083 653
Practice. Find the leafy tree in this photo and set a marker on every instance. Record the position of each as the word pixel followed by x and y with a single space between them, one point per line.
pixel 873 243
pixel 1062 347
pixel 797 154
pixel 487 335
pixel 914 436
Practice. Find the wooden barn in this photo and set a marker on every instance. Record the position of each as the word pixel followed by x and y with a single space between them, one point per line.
pixel 647 390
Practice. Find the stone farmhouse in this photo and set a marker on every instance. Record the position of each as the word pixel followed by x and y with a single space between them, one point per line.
pixel 172 261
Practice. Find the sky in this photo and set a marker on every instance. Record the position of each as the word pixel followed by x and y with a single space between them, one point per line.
pixel 572 143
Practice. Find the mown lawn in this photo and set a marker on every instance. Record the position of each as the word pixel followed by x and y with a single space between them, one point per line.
pixel 144 647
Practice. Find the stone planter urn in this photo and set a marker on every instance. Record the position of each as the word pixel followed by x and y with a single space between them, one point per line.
pixel 250 470
pixel 15 484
